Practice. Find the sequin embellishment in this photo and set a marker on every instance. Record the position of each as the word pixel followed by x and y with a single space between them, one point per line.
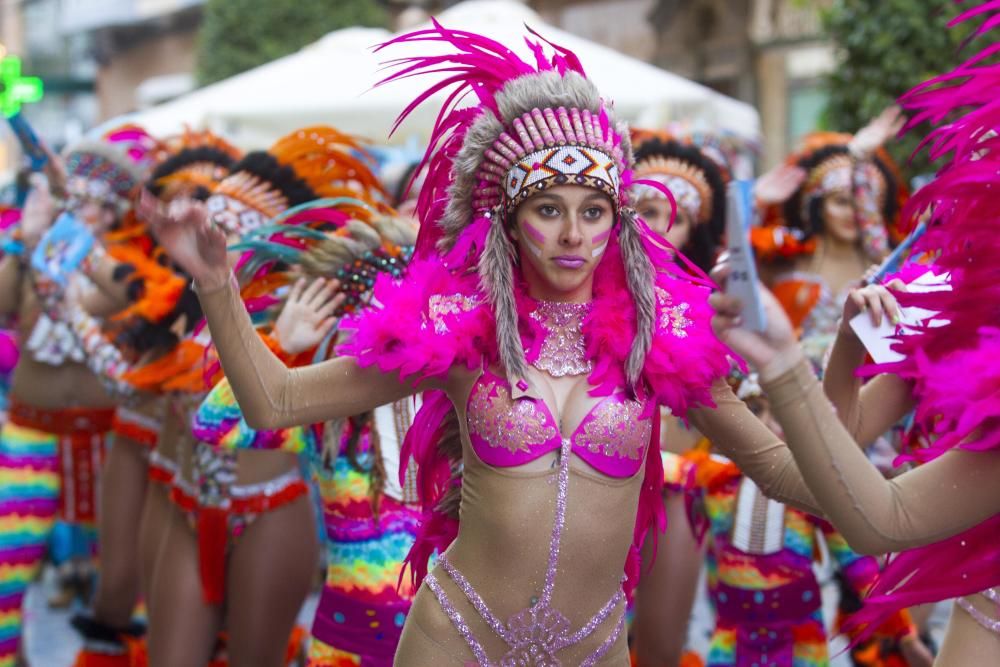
pixel 615 430
pixel 564 351
pixel 672 317
pixel 503 422
pixel 441 306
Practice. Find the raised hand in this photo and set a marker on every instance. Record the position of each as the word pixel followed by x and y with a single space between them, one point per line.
pixel 307 315
pixel 878 131
pixel 189 237
pixel 772 351
pixel 779 184
pixel 877 300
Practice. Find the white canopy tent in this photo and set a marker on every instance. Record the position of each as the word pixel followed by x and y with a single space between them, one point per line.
pixel 331 82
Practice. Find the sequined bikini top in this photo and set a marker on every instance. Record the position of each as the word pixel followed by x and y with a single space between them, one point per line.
pixel 507 432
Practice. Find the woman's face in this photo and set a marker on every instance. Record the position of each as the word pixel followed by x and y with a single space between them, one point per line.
pixel 561 235
pixel 656 212
pixel 838 217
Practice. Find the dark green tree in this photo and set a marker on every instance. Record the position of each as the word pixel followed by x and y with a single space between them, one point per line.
pixel 237 35
pixel 887 47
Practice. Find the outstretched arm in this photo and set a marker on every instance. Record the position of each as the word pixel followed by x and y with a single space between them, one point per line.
pixel 736 432
pixel 273 396
pixel 270 395
pixel 933 502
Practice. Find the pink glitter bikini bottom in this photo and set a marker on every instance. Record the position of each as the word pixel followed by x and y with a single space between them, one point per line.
pixel 536 634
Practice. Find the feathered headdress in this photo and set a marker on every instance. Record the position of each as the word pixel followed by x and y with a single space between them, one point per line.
pixel 534 127
pixel 192 164
pixel 112 168
pixel 790 227
pixel 308 164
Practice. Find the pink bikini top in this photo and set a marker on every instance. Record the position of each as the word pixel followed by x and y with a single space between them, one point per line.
pixel 508 432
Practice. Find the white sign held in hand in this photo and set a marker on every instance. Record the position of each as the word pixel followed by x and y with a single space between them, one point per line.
pixel 878 340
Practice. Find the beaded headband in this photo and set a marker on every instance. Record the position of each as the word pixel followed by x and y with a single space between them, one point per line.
pixel 92 175
pixel 110 169
pixel 836 174
pixel 551 147
pixel 686 183
pixel 243 202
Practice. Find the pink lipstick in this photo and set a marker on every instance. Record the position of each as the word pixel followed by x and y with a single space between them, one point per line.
pixel 570 261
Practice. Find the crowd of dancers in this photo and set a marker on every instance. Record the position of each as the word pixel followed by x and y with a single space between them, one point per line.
pixel 476 391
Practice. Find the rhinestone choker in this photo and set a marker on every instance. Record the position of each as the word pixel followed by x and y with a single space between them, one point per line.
pixel 563 351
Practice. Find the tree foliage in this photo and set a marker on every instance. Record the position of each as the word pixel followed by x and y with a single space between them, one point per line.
pixel 887 47
pixel 237 35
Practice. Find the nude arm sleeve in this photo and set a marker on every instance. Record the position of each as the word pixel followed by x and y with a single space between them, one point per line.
pixel 758 452
pixel 930 503
pixel 273 396
pixel 869 409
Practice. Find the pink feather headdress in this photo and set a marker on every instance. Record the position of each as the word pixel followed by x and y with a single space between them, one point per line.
pixel 463 301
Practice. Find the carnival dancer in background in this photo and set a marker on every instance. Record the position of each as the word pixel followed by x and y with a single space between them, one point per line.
pixel 759 559
pixel 830 213
pixel 60 413
pixel 235 513
pixel 370 511
pixel 696 182
pixel 163 313
pixel 661 616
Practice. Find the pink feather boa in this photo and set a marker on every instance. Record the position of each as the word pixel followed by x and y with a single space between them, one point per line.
pixel 436 318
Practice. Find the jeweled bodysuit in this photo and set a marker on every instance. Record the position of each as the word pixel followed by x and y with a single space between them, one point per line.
pixel 507 429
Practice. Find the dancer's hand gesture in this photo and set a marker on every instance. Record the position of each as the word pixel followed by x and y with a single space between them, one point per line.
pixel 877 300
pixel 307 315
pixel 872 136
pixel 189 237
pixel 779 184
pixel 772 351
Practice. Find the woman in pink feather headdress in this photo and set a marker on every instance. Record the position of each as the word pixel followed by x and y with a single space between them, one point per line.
pixel 944 516
pixel 545 324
